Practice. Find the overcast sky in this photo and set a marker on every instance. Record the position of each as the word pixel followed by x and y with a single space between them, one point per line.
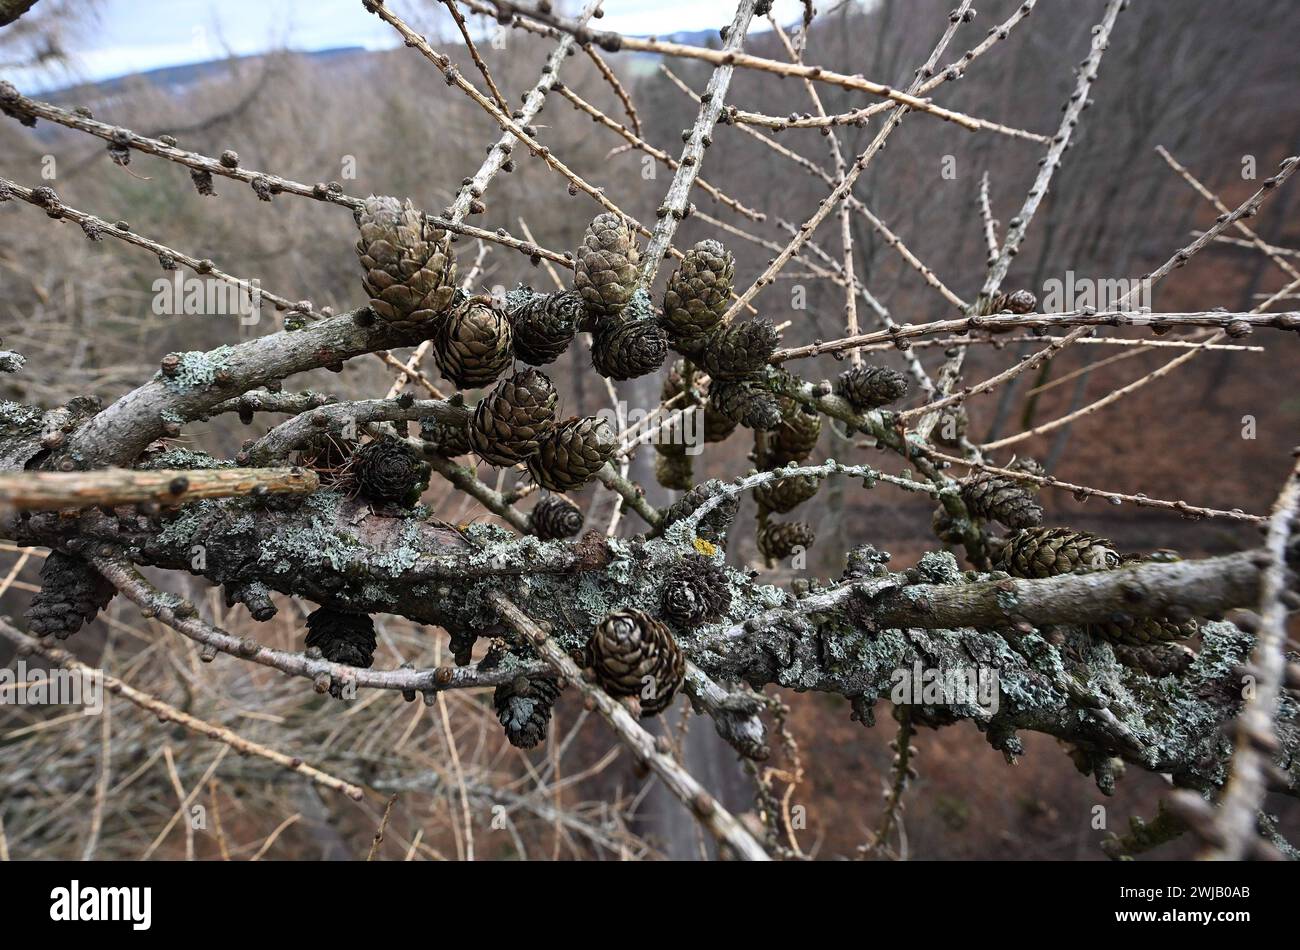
pixel 138 35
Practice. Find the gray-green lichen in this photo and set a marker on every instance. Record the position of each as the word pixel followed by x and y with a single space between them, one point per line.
pixel 21 427
pixel 183 458
pixel 197 369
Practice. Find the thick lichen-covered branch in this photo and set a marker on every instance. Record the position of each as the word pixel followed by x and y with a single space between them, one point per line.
pixel 848 639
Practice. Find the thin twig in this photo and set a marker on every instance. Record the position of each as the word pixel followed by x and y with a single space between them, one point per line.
pixel 474 54
pixel 676 204
pixel 171 713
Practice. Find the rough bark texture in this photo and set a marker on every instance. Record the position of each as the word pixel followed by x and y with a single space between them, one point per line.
pixel 848 638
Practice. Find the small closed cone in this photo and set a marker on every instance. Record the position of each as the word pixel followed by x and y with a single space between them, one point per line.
pixel 1047 552
pixel 870 387
pixel 341 637
pixel 717 426
pixel 674 384
pixel 72 594
pixel 555 517
pixel 1016 301
pixel 626 349
pixel 408 267
pixel 996 497
pixel 388 471
pixel 747 402
pixel 633 654
pixel 675 472
pixel 698 294
pixel 475 344
pixel 778 540
pixel 739 349
pixel 447 440
pixel 543 325
pixel 783 495
pixel 605 265
pixel 715 524
pixel 524 707
pixel 1144 631
pixel 572 454
pixel 795 438
pixel 510 422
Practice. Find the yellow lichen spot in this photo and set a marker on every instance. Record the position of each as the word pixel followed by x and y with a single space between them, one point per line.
pixel 707 548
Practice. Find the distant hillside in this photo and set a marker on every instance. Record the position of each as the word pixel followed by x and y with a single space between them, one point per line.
pixel 177 79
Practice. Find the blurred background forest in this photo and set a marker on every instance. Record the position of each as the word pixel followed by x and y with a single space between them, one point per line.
pixel 1214 83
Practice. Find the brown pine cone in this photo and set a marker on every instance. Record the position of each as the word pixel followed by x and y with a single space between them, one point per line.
pixel 697 590
pixel 747 401
pixel 633 654
pixel 388 471
pixel 543 325
pixel 409 268
pixel 698 294
pixel 605 265
pixel 1046 552
pixel 676 472
pixel 1143 631
pixel 554 517
pixel 778 540
pixel 626 349
pixel 524 708
pixel 785 494
pixel 870 387
pixel 447 440
pixel 474 347
pixel 999 498
pixel 796 437
pixel 1017 301
pixel 671 438
pixel 717 427
pixel 573 453
pixel 739 349
pixel 510 422
pixel 341 637
pixel 1155 659
pixel 72 594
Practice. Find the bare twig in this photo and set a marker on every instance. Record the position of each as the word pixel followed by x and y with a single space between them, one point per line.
pixel 676 203
pixel 170 713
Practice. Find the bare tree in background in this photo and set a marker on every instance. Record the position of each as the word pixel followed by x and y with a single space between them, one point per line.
pixel 587 576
